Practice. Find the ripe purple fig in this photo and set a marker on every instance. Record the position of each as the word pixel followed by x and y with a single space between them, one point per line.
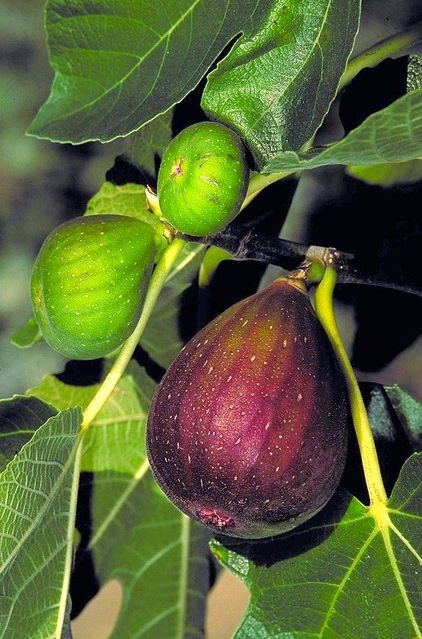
pixel 247 431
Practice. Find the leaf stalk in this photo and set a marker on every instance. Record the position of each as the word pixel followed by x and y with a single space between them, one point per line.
pixel 371 468
pixel 393 45
pixel 158 278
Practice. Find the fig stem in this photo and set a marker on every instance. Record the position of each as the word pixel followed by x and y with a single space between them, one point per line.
pixel 158 278
pixel 325 312
pixel 258 182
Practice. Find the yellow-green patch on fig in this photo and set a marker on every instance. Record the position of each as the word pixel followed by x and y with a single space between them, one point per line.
pixel 89 282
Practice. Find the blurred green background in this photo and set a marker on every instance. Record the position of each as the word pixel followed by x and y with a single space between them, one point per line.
pixel 41 184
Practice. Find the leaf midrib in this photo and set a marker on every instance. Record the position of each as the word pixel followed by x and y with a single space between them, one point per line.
pixel 160 40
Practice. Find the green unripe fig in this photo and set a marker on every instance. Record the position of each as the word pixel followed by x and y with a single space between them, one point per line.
pixel 203 179
pixel 89 281
pixel 247 431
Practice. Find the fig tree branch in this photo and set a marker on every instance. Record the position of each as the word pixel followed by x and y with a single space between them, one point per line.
pixel 244 244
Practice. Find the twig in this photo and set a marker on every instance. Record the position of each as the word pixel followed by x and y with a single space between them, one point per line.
pixel 244 244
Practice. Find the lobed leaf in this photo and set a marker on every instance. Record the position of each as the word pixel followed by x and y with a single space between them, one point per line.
pixel 38 495
pixel 157 554
pixel 358 578
pixel 115 441
pixel 118 65
pixel 276 86
pixel 393 134
pixel 138 537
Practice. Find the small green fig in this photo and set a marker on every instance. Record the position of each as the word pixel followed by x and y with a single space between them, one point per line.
pixel 89 281
pixel 203 178
pixel 247 431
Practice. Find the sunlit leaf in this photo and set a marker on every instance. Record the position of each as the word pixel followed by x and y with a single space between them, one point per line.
pixel 157 554
pixel 393 134
pixel 38 492
pixel 126 199
pixel 360 576
pixel 120 64
pixel 276 86
pixel 116 439
pixel 61 395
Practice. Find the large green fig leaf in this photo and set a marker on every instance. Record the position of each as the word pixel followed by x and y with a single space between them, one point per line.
pixel 159 556
pixel 393 134
pixel 276 86
pixel 138 537
pixel 360 576
pixel 120 64
pixel 38 491
pixel 115 439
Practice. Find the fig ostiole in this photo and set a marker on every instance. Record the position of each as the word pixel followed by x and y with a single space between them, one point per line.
pixel 247 431
pixel 89 281
pixel 203 179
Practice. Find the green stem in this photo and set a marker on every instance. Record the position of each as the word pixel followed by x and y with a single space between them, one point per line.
pixel 258 182
pixel 393 45
pixel 325 312
pixel 157 281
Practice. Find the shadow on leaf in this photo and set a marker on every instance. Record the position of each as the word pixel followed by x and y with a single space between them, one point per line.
pixel 298 541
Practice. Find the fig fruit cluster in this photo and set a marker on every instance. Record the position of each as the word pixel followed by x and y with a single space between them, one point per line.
pixel 247 431
pixel 89 281
pixel 203 178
